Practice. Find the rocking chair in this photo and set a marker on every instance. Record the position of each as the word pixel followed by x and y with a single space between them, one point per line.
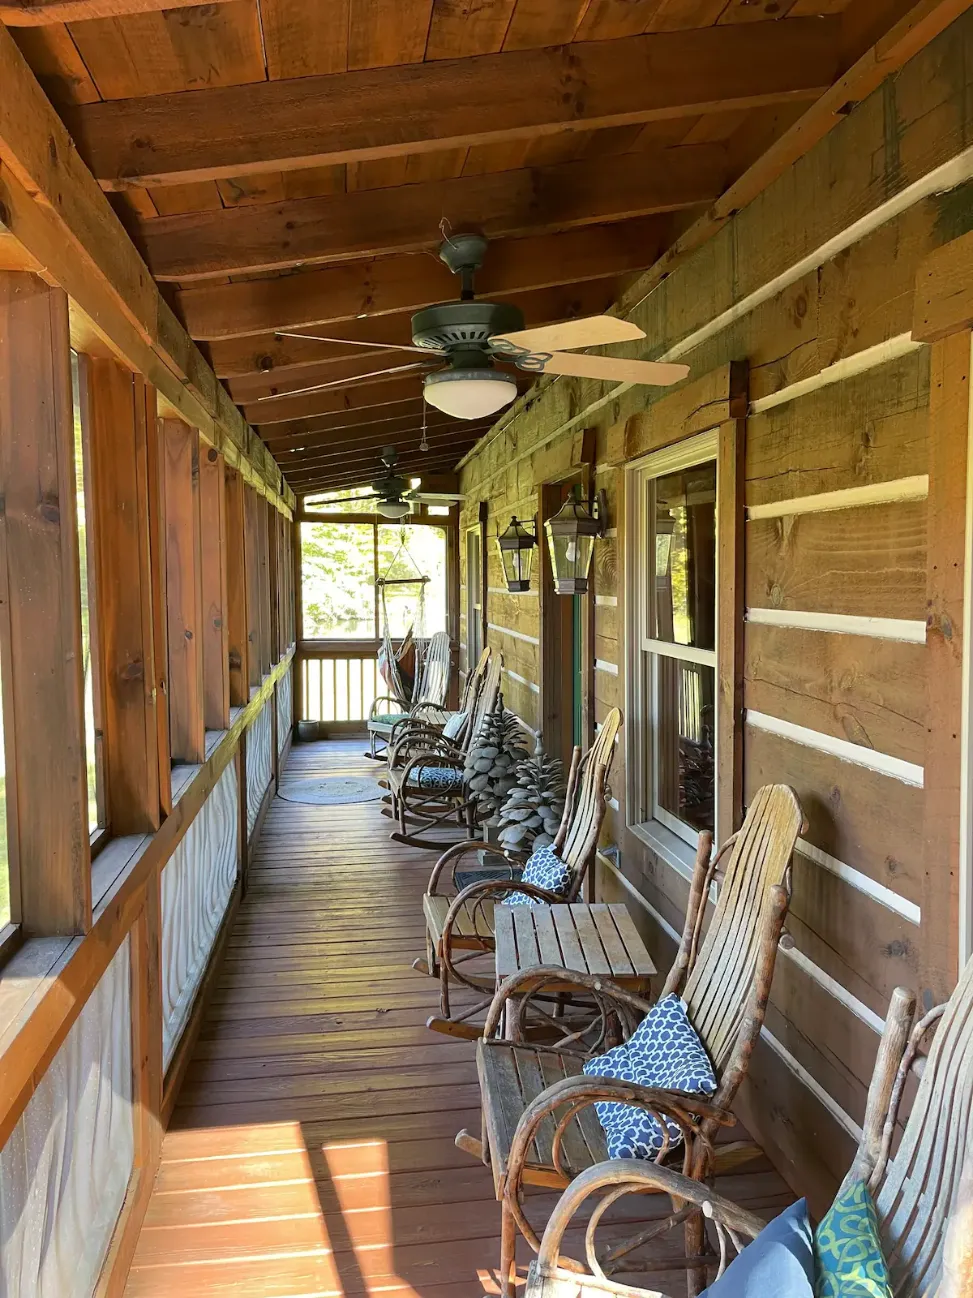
pixel 430 721
pixel 431 689
pixel 459 923
pixel 929 1182
pixel 538 1124
pixel 426 783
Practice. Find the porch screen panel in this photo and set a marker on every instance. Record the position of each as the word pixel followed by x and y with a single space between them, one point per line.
pixel 285 708
pixel 259 763
pixel 66 1167
pixel 197 883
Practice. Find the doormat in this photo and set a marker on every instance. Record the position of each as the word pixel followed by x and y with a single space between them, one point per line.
pixel 331 792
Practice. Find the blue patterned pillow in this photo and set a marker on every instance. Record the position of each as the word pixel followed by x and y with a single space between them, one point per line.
pixel 847 1250
pixel 665 1052
pixel 444 779
pixel 779 1263
pixel 544 869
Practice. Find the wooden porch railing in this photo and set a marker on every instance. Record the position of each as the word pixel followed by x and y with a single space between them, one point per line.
pixel 338 682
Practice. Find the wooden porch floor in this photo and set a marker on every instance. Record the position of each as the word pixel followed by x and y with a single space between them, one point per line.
pixel 311 1152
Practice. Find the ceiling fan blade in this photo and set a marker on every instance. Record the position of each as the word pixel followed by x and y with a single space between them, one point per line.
pixel 355 342
pixel 343 383
pixel 436 497
pixel 656 373
pixel 592 331
pixel 345 500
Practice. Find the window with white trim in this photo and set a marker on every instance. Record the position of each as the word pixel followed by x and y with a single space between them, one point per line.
pixel 673 593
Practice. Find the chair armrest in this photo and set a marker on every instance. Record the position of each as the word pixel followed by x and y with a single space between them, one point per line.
pixel 527 982
pixel 417 740
pixel 452 857
pixel 429 759
pixel 635 1176
pixel 561 1102
pixel 384 698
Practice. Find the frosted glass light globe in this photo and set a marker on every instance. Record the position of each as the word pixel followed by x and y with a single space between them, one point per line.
pixel 469 394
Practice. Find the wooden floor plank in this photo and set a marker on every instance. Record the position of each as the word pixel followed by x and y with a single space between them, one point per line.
pixel 311 1150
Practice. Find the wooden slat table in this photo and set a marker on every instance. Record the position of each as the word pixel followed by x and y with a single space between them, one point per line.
pixel 583 937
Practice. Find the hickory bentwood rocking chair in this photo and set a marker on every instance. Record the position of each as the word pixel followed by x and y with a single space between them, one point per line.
pixel 459 922
pixel 425 775
pixel 923 1196
pixel 539 1124
pixel 429 721
pixel 431 690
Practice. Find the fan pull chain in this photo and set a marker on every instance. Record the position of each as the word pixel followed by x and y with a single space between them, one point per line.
pixel 424 443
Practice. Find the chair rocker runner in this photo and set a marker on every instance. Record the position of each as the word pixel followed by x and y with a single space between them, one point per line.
pixel 923 1198
pixel 539 1126
pixel 459 923
pixel 430 694
pixel 426 783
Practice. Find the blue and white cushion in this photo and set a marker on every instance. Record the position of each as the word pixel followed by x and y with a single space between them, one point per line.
pixel 544 869
pixel 454 725
pixel 437 779
pixel 665 1052
pixel 389 718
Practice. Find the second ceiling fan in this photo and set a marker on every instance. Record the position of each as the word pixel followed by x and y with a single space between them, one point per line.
pixel 473 338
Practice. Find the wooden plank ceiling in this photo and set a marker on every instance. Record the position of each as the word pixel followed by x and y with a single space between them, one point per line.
pixel 284 164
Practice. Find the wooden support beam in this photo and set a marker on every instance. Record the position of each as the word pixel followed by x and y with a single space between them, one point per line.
pixel 398 416
pixel 454 103
pixel 252 547
pixel 364 223
pixel 370 432
pixel 949 432
pixel 156 479
pixel 116 402
pixel 332 480
pixel 271 358
pixel 257 395
pixel 47 798
pixel 344 293
pixel 42 13
pixel 236 591
pixel 214 556
pixel 184 594
pixel 53 208
pixel 922 24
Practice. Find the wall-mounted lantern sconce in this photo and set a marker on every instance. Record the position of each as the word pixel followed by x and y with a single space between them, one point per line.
pixel 571 536
pixel 516 546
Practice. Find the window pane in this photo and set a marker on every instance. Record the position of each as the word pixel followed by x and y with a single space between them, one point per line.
pixel 682 548
pixel 338 581
pixel 4 854
pixel 685 765
pixel 401 551
pixel 87 611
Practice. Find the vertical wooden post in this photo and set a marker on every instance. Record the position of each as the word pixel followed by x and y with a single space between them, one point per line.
pixel 41 593
pixel 252 546
pixel 154 468
pixel 236 590
pixel 555 615
pixel 589 457
pixel 213 557
pixel 949 419
pixel 273 580
pixel 260 510
pixel 297 626
pixel 453 605
pixel 730 480
pixel 120 498
pixel 184 598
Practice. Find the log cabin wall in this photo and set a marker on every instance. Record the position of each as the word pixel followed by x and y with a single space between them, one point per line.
pixel 842 440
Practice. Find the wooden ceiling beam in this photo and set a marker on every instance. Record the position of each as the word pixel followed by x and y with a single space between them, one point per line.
pixel 326 452
pixel 368 461
pixel 404 417
pixel 407 407
pixel 375 367
pixel 259 363
pixel 42 13
pixel 221 313
pixel 52 207
pixel 374 223
pixel 360 396
pixel 360 478
pixel 453 103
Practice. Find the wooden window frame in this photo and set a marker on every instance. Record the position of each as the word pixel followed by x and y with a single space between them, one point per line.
pixel 722 443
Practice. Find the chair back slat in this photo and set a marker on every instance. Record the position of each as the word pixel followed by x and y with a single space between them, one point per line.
pixel 719 984
pixel 920 1187
pixel 435 671
pixel 589 801
pixel 486 699
pixel 474 682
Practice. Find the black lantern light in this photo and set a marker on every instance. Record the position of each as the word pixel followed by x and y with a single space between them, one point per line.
pixel 516 546
pixel 571 536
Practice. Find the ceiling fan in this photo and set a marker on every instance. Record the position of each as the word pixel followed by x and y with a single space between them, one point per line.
pixel 395 495
pixel 473 337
